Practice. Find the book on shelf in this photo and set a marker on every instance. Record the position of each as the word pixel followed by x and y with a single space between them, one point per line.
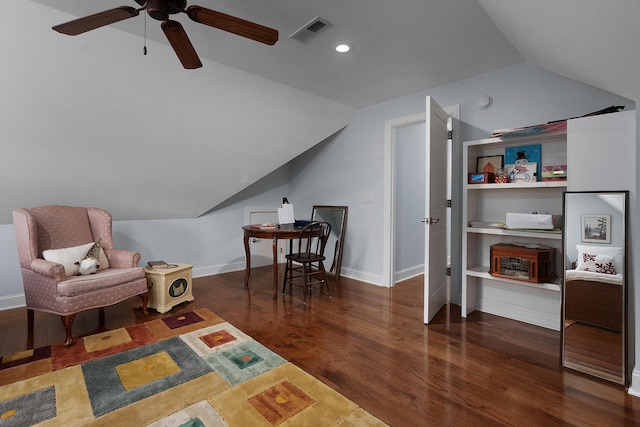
pixel 550 126
pixel 554 173
pixel 484 224
pixel 530 130
pixel 160 265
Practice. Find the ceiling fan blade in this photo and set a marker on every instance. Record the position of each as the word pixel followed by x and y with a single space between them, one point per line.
pixel 97 20
pixel 181 44
pixel 233 25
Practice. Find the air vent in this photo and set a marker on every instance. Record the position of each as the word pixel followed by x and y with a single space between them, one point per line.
pixel 310 29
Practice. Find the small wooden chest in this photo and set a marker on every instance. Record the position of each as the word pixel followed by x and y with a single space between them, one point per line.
pixel 522 263
pixel 169 287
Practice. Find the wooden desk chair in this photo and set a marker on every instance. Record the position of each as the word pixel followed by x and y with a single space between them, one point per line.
pixel 309 259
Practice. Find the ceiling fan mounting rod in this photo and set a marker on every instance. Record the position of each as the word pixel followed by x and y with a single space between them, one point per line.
pixel 161 9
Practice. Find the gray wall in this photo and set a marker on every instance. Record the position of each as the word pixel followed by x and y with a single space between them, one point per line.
pixel 344 167
pixel 339 171
pixel 410 190
pixel 101 124
pixel 351 163
pixel 211 243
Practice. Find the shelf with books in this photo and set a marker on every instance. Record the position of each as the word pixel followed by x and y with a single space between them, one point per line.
pixel 484 212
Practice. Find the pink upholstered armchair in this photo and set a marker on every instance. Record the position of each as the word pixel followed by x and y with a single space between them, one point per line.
pixel 54 288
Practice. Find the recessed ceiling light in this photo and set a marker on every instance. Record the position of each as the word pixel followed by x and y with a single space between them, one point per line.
pixel 343 48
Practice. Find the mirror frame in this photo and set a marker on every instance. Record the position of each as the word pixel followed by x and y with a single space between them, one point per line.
pixel 567 265
pixel 336 263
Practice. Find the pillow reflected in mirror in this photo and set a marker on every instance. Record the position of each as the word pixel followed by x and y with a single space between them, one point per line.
pixel 596 263
pixel 600 259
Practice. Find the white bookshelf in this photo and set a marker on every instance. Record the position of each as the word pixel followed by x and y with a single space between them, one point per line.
pixel 489 203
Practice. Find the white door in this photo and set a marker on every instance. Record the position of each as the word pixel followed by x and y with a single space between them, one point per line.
pixel 435 253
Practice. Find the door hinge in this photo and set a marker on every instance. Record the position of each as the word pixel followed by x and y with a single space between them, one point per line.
pixel 448 271
pixel 449 134
pixel 449 203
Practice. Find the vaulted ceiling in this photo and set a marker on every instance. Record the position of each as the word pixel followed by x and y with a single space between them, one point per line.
pixel 251 108
pixel 406 46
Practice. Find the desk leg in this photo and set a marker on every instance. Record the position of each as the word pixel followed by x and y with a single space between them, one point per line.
pixel 275 268
pixel 247 254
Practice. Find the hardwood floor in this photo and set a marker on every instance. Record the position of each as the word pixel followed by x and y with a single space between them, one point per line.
pixel 370 344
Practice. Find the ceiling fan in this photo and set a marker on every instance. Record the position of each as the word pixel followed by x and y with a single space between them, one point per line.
pixel 173 30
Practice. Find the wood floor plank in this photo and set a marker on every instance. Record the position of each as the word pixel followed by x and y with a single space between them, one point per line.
pixel 370 344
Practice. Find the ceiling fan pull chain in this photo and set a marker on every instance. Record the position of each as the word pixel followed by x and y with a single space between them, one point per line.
pixel 144 48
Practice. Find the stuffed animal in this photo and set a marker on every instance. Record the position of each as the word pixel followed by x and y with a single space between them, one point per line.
pixel 88 266
pixel 91 261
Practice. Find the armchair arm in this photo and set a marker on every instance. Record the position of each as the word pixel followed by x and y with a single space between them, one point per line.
pixel 119 258
pixel 48 268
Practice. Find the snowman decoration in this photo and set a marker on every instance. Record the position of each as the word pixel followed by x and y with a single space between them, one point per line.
pixel 520 173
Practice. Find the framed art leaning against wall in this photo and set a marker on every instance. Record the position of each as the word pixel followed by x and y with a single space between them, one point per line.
pixel 337 217
pixel 489 163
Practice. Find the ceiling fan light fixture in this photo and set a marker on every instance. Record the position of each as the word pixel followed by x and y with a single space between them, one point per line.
pixel 343 48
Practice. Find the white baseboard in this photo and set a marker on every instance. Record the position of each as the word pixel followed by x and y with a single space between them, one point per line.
pixel 373 279
pixel 522 314
pixel 211 270
pixel 12 301
pixel 408 273
pixel 634 388
pixel 18 300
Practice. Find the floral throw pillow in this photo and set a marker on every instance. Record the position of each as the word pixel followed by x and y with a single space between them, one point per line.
pixel 597 263
pixel 617 253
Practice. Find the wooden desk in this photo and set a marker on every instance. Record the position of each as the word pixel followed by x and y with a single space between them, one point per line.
pixel 287 232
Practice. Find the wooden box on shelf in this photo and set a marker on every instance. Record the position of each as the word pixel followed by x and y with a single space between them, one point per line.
pixel 169 286
pixel 518 262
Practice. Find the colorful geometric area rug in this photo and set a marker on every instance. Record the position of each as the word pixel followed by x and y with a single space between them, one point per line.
pixel 188 370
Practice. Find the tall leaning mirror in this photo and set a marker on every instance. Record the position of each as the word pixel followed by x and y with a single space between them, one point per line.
pixel 337 217
pixel 594 297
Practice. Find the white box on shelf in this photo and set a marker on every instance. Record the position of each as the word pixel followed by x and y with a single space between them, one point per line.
pixel 533 221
